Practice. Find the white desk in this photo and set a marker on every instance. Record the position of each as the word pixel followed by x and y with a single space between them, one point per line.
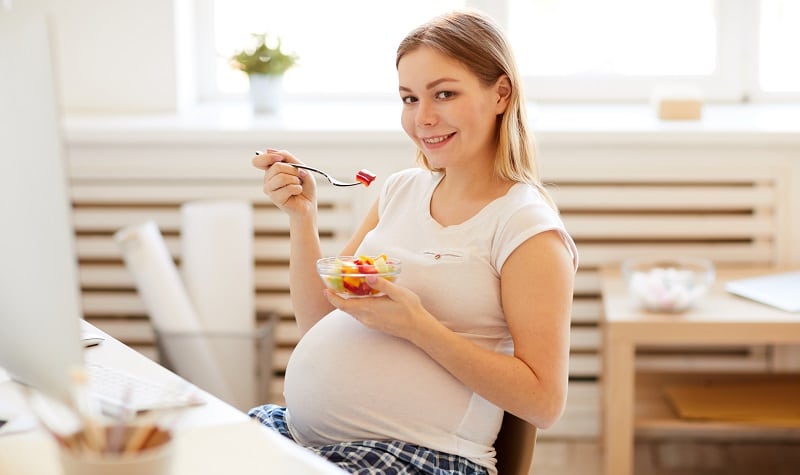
pixel 210 439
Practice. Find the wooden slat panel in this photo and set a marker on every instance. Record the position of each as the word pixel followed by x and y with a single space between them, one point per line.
pixel 585 338
pixel 587 281
pixel 287 332
pixel 280 357
pixel 594 255
pixel 276 248
pixel 177 192
pixel 160 193
pixel 111 219
pixel 103 247
pixel 582 415
pixel 278 303
pixel 138 330
pixel 648 164
pixel 105 276
pixel 277 389
pixel 115 275
pixel 586 310
pixel 117 304
pixel 272 277
pixel 688 197
pixel 122 303
pixel 644 226
pixel 584 365
pixel 148 351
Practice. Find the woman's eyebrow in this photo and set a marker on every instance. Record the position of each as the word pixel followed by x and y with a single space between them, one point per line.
pixel 431 84
pixel 435 83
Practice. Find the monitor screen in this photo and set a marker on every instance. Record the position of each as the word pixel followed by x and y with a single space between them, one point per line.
pixel 39 292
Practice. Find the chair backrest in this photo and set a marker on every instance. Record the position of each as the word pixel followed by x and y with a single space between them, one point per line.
pixel 514 445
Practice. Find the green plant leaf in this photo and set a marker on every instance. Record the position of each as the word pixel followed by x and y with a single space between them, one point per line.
pixel 264 56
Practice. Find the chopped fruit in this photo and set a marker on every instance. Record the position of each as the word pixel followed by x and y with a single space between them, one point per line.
pixel 347 276
pixel 380 264
pixel 365 176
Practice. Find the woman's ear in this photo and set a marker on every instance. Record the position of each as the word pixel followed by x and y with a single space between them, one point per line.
pixel 503 90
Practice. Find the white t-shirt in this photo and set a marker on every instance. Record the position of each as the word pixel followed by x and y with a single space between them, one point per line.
pixel 347 382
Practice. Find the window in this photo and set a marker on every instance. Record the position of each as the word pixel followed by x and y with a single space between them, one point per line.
pixel 345 46
pixel 779 38
pixel 733 50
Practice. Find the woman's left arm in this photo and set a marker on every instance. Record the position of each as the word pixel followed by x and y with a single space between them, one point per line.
pixel 536 286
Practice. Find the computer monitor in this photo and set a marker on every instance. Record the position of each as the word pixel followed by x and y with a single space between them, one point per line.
pixel 40 308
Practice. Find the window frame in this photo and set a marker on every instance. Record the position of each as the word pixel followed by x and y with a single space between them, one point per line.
pixel 735 79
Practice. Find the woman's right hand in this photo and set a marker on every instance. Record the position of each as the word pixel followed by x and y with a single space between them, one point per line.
pixel 291 189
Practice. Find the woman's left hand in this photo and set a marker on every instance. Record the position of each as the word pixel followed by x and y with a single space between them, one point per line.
pixel 399 312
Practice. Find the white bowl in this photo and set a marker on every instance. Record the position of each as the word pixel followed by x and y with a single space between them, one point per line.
pixel 668 284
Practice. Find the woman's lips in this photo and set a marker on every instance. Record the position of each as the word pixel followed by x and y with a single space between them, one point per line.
pixel 436 141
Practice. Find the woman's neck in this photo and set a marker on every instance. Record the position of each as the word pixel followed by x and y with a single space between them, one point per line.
pixel 473 184
pixel 459 196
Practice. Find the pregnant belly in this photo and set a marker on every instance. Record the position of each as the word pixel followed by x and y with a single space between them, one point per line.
pixel 347 382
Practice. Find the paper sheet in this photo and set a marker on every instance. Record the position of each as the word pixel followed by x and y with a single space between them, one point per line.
pixel 158 282
pixel 217 266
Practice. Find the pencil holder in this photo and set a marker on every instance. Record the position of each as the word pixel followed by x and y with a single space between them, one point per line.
pixel 145 451
pixel 243 361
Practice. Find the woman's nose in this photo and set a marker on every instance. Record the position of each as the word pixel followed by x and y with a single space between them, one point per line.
pixel 426 115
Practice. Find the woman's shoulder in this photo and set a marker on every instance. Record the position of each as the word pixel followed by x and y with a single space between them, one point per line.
pixel 526 195
pixel 530 212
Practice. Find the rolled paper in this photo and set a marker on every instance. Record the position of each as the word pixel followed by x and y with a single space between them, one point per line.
pixel 217 266
pixel 171 312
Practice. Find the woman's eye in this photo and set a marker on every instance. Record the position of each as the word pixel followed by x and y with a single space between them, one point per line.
pixel 409 99
pixel 444 94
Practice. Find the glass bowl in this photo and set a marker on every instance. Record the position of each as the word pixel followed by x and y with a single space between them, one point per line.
pixel 347 275
pixel 668 284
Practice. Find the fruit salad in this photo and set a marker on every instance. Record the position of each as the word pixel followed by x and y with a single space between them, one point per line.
pixel 347 275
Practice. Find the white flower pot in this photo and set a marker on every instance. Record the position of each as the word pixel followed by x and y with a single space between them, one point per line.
pixel 266 92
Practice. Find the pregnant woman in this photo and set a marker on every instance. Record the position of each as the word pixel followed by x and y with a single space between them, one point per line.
pixel 477 323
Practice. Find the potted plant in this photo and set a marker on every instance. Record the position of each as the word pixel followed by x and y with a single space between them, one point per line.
pixel 265 63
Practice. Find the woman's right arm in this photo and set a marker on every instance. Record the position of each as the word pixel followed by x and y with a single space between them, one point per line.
pixel 294 191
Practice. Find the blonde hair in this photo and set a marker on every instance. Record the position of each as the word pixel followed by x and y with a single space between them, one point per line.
pixel 475 40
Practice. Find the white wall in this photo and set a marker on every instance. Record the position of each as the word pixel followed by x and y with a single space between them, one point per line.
pixel 116 56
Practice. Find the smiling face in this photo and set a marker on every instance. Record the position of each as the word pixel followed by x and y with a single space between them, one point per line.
pixel 447 111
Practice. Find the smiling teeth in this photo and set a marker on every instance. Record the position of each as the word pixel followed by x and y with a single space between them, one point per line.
pixel 436 139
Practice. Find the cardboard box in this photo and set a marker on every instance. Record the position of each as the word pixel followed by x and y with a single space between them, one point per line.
pixel 680 109
pixel 678 102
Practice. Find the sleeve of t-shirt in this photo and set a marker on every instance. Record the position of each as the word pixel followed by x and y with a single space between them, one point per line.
pixel 524 223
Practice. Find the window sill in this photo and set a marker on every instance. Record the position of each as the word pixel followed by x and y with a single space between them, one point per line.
pixel 379 122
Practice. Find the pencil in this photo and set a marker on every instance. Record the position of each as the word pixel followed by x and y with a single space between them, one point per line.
pixel 138 438
pixel 94 433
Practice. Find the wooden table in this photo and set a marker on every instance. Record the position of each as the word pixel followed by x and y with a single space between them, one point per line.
pixel 718 319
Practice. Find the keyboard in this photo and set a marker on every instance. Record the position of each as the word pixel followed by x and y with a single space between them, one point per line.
pixel 117 389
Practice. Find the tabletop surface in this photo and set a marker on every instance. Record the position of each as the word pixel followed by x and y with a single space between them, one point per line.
pixel 211 438
pixel 717 306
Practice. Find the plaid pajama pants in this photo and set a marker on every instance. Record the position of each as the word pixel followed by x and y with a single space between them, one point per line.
pixel 376 457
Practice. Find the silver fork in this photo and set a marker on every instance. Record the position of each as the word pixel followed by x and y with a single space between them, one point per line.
pixel 331 179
